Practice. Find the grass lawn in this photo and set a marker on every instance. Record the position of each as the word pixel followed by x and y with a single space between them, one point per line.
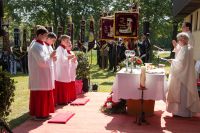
pixel 21 100
pixel 20 108
pixel 103 78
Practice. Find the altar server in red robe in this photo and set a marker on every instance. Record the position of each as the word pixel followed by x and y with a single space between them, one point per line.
pixel 51 38
pixel 62 79
pixel 72 73
pixel 40 79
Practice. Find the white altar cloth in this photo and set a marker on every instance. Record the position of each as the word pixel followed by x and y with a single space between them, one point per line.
pixel 126 85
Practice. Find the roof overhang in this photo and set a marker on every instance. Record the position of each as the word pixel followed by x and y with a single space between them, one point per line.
pixel 182 8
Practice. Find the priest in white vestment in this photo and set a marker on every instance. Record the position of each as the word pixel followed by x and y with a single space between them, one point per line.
pixel 182 97
pixel 62 78
pixel 40 79
pixel 51 39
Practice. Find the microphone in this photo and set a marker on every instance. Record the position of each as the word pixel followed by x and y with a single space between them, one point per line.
pixel 164 59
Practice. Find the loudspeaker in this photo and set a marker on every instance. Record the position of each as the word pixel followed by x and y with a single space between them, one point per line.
pixel 146 27
pixel 1 9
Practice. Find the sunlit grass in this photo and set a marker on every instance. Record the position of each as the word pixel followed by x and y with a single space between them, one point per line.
pixel 102 77
pixel 20 105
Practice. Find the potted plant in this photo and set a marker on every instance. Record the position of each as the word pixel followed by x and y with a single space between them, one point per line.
pixel 83 69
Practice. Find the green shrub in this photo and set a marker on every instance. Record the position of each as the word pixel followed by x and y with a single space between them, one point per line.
pixel 83 68
pixel 7 89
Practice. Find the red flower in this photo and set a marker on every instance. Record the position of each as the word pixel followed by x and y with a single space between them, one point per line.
pixel 109 99
pixel 138 61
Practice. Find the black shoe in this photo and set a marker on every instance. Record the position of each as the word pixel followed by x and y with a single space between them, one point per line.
pixel 42 118
pixel 177 116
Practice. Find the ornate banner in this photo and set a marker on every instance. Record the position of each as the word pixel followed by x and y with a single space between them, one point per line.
pixel 24 44
pixel 82 35
pixel 16 47
pixel 1 43
pixel 6 42
pixel 49 28
pixel 16 37
pixel 32 34
pixel 126 24
pixel 70 31
pixel 1 9
pixel 60 31
pixel 107 29
pixel 91 34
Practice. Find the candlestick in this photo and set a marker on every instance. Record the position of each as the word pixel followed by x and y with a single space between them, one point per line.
pixel 143 76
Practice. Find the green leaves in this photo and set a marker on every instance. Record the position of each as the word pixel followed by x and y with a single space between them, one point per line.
pixel 7 89
pixel 55 12
pixel 83 68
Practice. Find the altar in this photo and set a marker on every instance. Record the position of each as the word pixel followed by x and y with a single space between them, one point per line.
pixel 126 86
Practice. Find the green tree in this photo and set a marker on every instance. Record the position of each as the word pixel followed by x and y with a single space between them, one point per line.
pixel 55 12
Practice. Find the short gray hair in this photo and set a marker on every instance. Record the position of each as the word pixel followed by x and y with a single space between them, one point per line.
pixel 184 35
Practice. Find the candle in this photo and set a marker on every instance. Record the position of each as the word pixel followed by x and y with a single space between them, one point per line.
pixel 143 76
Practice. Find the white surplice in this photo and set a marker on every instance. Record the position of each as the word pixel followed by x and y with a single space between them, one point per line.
pixel 62 65
pixel 52 70
pixel 72 67
pixel 39 64
pixel 182 97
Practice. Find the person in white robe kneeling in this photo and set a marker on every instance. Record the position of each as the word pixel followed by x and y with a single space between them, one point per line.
pixel 62 78
pixel 41 88
pixel 182 97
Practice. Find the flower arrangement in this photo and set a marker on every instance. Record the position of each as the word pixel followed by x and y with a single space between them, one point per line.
pixel 111 107
pixel 136 60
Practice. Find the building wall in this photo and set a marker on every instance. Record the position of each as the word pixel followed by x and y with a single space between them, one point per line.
pixel 194 18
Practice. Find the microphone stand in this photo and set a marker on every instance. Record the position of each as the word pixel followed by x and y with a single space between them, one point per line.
pixel 159 50
pixel 158 58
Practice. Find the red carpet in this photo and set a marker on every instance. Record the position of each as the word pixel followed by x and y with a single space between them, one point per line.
pixel 89 119
pixel 80 101
pixel 61 118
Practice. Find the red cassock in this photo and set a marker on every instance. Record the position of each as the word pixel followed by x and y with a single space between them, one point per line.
pixel 62 78
pixel 63 92
pixel 50 49
pixel 41 103
pixel 73 91
pixel 72 74
pixel 40 80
